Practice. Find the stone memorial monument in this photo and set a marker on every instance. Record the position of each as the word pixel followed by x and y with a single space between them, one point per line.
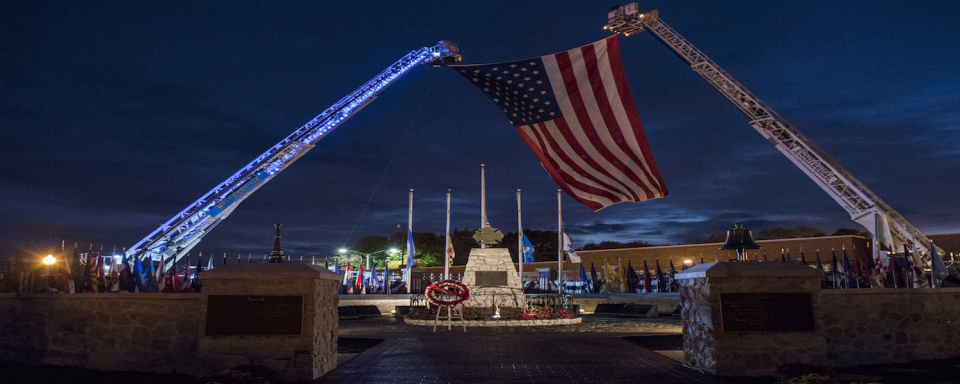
pixel 491 276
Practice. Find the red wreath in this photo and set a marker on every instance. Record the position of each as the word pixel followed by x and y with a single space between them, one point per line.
pixel 447 293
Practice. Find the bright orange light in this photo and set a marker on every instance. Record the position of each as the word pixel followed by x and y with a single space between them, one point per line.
pixel 49 260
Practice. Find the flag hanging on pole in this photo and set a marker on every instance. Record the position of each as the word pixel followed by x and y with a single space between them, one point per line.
pixel 358 284
pixel 661 279
pixel 346 279
pixel 622 277
pixel 673 276
pixel 450 251
pixel 374 280
pixel 411 250
pixel 938 271
pixel 611 279
pixel 593 279
pixel 835 269
pixel 527 250
pixel 161 274
pixel 848 274
pixel 574 111
pixel 631 278
pixel 647 279
pixel 568 247
pixel 879 271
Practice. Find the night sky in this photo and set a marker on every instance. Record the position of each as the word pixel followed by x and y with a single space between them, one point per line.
pixel 115 115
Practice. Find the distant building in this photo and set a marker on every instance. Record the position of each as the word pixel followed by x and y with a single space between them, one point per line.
pixel 856 247
pixel 949 243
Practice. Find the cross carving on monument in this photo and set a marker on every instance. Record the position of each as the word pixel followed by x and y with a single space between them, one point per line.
pixel 488 236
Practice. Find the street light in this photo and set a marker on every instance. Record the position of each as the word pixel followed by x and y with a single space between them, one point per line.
pixel 49 261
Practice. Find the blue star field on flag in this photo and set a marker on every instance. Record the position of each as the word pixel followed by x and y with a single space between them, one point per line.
pixel 521 89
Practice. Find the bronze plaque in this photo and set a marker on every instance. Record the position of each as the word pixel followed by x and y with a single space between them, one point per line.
pixel 491 278
pixel 767 312
pixel 242 315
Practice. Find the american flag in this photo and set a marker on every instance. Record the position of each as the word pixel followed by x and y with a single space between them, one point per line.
pixel 543 280
pixel 574 110
pixel 880 271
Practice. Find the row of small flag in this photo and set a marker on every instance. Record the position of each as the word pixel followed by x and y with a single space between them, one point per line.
pixel 372 282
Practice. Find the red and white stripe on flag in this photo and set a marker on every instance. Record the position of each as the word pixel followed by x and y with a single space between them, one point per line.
pixel 574 111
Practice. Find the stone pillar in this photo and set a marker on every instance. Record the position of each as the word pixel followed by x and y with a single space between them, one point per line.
pixel 748 318
pixel 281 316
pixel 499 279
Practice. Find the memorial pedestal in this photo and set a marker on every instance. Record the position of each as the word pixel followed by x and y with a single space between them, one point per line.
pixel 282 316
pixel 493 280
pixel 749 318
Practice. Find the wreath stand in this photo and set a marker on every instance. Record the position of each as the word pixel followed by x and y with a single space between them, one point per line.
pixel 449 294
pixel 453 312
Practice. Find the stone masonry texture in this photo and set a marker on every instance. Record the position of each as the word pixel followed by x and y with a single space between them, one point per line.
pixel 150 332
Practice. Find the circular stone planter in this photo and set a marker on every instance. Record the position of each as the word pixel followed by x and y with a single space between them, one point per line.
pixel 497 323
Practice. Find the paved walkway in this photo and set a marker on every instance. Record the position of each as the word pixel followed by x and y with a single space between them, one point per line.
pixel 495 356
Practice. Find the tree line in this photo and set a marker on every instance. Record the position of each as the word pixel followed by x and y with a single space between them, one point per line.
pixel 429 246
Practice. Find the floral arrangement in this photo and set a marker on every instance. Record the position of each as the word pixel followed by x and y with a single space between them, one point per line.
pixel 473 314
pixel 541 314
pixel 447 293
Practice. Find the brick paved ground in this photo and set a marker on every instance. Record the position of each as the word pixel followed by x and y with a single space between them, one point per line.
pixel 507 355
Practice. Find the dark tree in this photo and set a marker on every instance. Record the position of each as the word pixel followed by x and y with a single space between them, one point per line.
pixel 615 245
pixel 717 238
pixel 805 231
pixel 850 231
pixel 371 244
pixel 789 233
pixel 776 233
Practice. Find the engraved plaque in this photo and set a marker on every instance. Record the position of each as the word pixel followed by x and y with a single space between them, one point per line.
pixel 236 315
pixel 766 312
pixel 491 278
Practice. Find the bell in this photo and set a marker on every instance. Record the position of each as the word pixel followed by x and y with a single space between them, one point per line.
pixel 740 239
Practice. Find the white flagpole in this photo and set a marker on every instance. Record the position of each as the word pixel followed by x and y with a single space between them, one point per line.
pixel 483 200
pixel 519 241
pixel 446 245
pixel 559 247
pixel 410 229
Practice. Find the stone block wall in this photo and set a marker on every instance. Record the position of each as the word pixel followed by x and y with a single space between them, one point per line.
pixel 877 326
pixel 150 332
pixel 707 347
pixel 300 357
pixel 166 332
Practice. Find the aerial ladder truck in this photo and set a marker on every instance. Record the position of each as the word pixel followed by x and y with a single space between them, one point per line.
pixel 172 240
pixel 888 227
